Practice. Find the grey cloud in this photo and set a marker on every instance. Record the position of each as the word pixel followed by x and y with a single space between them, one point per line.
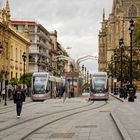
pixel 76 21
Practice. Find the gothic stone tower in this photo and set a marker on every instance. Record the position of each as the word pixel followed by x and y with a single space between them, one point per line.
pixel 116 27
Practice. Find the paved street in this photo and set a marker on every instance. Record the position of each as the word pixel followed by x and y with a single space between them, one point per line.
pixel 115 121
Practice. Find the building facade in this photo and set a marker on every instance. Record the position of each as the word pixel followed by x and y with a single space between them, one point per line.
pixel 39 50
pixel 44 48
pixel 116 27
pixel 12 46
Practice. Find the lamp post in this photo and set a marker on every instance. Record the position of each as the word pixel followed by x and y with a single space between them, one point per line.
pixel 131 29
pixel 38 62
pixel 131 90
pixel 6 84
pixel 85 74
pixel 24 60
pixel 115 79
pixel 121 45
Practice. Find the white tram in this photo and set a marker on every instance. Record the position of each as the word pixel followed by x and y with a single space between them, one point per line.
pixel 42 85
pixel 99 86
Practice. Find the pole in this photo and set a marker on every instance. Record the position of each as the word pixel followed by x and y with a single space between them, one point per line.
pixel 24 76
pixel 24 59
pixel 115 79
pixel 121 46
pixel 131 89
pixel 6 83
pixel 131 58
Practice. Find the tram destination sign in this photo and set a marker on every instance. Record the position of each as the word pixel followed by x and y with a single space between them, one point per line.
pixel 71 74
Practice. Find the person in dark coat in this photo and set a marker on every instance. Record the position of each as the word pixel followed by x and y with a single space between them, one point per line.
pixel 19 98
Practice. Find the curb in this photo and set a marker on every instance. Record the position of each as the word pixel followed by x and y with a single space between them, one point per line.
pixel 117 98
pixel 123 132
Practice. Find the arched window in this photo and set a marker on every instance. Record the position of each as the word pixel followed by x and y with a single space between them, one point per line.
pixel 132 11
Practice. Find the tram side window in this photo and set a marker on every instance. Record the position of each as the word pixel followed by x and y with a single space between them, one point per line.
pixel 48 87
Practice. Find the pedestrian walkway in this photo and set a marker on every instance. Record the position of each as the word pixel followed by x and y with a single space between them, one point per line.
pixel 9 102
pixel 127 118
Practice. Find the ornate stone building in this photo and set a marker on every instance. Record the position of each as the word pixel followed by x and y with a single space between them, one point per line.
pixel 116 27
pixel 12 46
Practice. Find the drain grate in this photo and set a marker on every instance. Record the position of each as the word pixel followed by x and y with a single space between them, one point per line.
pixel 86 126
pixel 62 135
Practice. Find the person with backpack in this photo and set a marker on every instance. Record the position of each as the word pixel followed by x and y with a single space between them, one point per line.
pixel 19 98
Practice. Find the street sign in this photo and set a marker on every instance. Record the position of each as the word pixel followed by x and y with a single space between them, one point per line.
pixel 71 74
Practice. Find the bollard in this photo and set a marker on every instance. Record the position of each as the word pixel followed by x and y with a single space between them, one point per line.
pixel 131 94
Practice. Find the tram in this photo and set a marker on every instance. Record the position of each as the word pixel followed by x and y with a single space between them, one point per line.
pixel 99 86
pixel 42 85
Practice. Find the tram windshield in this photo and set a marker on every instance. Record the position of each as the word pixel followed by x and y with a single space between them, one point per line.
pixel 99 84
pixel 39 84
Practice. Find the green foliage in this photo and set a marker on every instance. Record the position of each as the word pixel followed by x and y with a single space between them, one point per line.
pixel 28 78
pixel 14 81
pixel 136 34
pixel 125 67
pixel 86 85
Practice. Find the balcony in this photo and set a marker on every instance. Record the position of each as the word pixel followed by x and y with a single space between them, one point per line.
pixel 34 51
pixel 32 60
pixel 45 45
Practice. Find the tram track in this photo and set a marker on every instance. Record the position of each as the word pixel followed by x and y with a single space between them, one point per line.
pixel 55 116
pixel 58 119
pixel 12 108
pixel 40 116
pixel 62 115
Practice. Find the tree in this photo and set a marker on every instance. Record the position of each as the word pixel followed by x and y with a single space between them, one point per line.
pixel 14 81
pixel 125 68
pixel 136 34
pixel 28 80
pixel 27 77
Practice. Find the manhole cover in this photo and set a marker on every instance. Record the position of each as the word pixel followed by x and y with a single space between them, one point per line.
pixel 62 135
pixel 86 126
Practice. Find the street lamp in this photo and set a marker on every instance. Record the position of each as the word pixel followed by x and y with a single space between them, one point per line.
pixel 85 74
pixel 131 29
pixel 24 60
pixel 131 90
pixel 38 62
pixel 121 45
pixel 115 79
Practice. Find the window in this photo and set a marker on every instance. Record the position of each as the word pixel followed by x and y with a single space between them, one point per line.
pixel 11 52
pixel 11 75
pixel 16 54
pixel 16 75
pixel 132 11
pixel 20 55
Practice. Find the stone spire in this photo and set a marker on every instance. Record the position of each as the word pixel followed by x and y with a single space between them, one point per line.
pixel 103 14
pixel 7 8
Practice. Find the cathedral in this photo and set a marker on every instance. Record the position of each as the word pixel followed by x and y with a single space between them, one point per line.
pixel 116 27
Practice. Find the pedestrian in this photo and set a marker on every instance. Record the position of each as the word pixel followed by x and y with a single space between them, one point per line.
pixel 19 98
pixel 3 93
pixel 54 92
pixel 64 95
pixel 125 91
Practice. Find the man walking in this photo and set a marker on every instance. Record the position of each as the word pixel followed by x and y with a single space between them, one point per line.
pixel 19 98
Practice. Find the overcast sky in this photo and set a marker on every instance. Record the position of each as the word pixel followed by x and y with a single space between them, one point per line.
pixel 77 22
